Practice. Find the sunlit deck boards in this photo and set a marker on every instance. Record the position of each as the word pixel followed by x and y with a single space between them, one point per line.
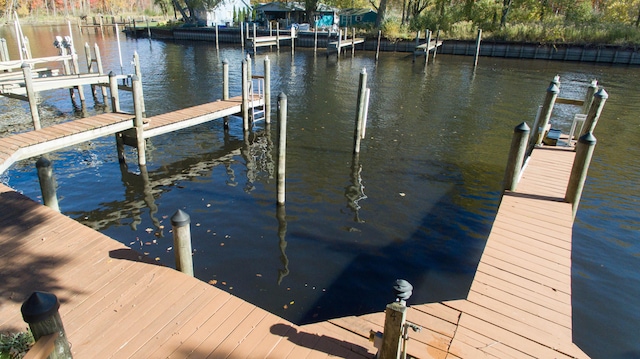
pixel 192 116
pixel 34 143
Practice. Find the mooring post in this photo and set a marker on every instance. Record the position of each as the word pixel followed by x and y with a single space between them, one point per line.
pixel 267 89
pixel 357 134
pixel 339 42
pixel 584 152
pixel 139 121
pixel 435 48
pixel 588 98
pixel 353 41
pixel 282 146
pixel 31 95
pixel 180 223
pixel 217 42
pixel 76 69
pixel 249 72
pixel 40 311
pixel 113 90
pixel 278 36
pixel 378 46
pixel 395 322
pixel 242 35
pixel 365 112
pixel 4 52
pixel 545 114
pixel 245 97
pixel 599 99
pixel 138 72
pixel 478 40
pixel 293 39
pixel 426 49
pixel 96 50
pixel 516 156
pixel 315 39
pixel 47 183
pixel 225 89
pixel 89 60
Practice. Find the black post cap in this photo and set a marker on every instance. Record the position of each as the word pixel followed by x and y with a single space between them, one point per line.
pixel 39 306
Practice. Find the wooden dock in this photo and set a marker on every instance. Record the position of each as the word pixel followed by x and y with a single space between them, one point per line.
pixel 115 303
pixel 344 42
pixel 35 143
pixel 423 49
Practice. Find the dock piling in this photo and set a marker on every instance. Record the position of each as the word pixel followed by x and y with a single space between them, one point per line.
pixel 478 40
pixel 225 88
pixel 378 46
pixel 267 89
pixel 588 98
pixel 599 99
pixel 40 311
pixel 516 156
pixel 584 152
pixel 426 50
pixel 245 96
pixel 360 103
pixel 395 322
pixel 31 95
pixel 113 90
pixel 180 223
pixel 138 121
pixel 47 183
pixel 545 114
pixel 282 146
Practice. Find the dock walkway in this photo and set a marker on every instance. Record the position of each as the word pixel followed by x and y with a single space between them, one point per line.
pixel 115 303
pixel 34 143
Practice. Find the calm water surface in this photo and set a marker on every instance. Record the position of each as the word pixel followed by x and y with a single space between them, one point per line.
pixel 418 203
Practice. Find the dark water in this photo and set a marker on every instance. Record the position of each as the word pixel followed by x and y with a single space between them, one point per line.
pixel 418 203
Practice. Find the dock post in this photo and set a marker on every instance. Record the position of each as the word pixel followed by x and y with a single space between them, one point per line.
pixel 40 311
pixel 113 89
pixel 87 56
pixel 293 39
pixel 245 97
pixel 588 98
pixel 545 114
pixel 357 133
pixel 277 35
pixel 339 42
pixel 395 322
pixel 225 79
pixel 76 70
pixel 599 99
pixel 478 40
pixel 435 49
pixel 249 71
pixel 47 183
pixel 516 156
pixel 4 52
pixel 96 50
pixel 138 72
pixel 584 152
pixel 138 121
pixel 282 146
pixel 315 40
pixel 353 41
pixel 267 89
pixel 217 42
pixel 426 49
pixel 365 112
pixel 31 95
pixel 242 35
pixel 180 223
pixel 378 47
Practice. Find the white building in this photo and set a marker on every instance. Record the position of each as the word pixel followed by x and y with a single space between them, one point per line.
pixel 222 14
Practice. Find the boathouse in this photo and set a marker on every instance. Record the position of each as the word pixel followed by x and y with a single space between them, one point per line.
pixel 357 17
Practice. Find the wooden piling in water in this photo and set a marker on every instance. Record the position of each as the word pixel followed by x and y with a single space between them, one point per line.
pixel 103 89
pixel 113 90
pixel 378 46
pixel 180 223
pixel 435 49
pixel 47 183
pixel 41 312
pixel 267 89
pixel 31 95
pixel 516 156
pixel 426 50
pixel 357 134
pixel 217 41
pixel 245 97
pixel 584 152
pixel 138 121
pixel 599 99
pixel 545 115
pixel 282 146
pixel 588 98
pixel 478 40
pixel 315 40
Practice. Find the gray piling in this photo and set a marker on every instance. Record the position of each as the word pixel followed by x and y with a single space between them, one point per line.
pixel 47 183
pixel 588 98
pixel 40 311
pixel 516 156
pixel 395 322
pixel 360 103
pixel 478 40
pixel 545 113
pixel 599 99
pixel 584 152
pixel 378 46
pixel 426 50
pixel 31 96
pixel 180 222
pixel 139 121
pixel 267 89
pixel 282 146
pixel 113 90
pixel 245 97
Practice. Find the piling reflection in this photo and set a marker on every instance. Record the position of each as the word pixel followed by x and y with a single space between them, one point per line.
pixel 281 215
pixel 355 191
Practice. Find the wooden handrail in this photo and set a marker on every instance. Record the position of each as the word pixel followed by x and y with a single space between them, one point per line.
pixel 43 347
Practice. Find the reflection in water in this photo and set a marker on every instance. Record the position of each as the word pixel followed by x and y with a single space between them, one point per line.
pixel 355 191
pixel 282 231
